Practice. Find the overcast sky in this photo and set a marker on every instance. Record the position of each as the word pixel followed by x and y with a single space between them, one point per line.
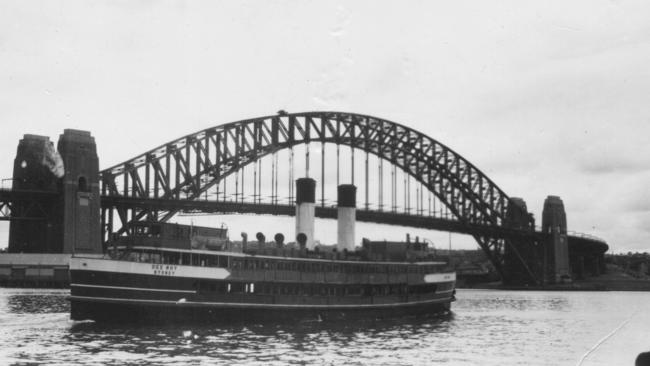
pixel 544 97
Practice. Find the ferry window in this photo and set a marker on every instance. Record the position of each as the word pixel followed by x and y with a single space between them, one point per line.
pixel 155 230
pixel 214 261
pixel 252 288
pixel 367 290
pixel 353 290
pixel 236 287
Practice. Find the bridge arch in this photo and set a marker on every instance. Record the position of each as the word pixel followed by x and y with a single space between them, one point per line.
pixel 188 166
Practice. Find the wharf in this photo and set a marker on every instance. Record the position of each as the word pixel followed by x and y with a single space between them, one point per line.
pixel 34 270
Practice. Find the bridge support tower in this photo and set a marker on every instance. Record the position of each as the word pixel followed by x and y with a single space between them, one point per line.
pixel 69 221
pixel 556 249
pixel 521 252
pixel 80 193
pixel 38 232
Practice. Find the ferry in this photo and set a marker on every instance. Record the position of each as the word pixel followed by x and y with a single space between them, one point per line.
pixel 170 272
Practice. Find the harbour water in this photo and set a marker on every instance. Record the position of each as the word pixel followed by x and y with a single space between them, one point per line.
pixel 486 327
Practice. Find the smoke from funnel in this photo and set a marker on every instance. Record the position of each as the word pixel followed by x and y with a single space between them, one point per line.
pixel 53 161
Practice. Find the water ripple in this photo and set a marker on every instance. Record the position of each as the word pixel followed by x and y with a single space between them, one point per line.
pixel 486 327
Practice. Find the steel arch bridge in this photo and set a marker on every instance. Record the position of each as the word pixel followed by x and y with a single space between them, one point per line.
pixel 173 177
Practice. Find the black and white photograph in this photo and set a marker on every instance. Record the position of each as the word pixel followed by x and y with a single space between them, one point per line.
pixel 318 182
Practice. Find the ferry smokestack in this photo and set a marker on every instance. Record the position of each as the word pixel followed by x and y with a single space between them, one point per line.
pixel 305 206
pixel 347 216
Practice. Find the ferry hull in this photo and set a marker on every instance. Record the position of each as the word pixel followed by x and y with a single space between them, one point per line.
pixel 107 290
pixel 142 312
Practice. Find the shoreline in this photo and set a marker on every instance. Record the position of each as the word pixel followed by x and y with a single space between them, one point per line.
pixel 633 285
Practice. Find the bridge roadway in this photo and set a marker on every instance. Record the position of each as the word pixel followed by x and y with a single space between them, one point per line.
pixel 328 212
pixel 27 205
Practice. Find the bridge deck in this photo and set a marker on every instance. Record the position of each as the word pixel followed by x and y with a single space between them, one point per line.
pixel 328 212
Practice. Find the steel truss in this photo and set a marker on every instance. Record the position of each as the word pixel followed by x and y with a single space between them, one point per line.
pixel 185 168
pixel 25 205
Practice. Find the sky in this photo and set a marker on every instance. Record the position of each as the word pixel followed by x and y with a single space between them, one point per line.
pixel 546 98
